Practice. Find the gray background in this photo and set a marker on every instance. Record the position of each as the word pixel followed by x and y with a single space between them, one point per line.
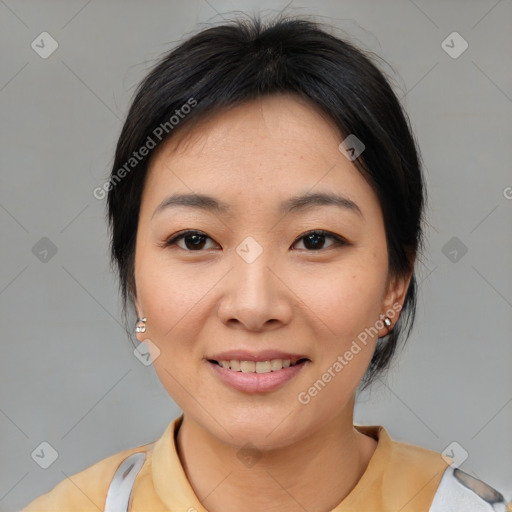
pixel 68 374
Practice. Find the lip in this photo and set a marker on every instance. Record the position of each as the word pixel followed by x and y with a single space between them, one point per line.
pixel 256 382
pixel 264 355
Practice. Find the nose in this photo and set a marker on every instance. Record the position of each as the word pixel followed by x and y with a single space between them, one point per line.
pixel 255 295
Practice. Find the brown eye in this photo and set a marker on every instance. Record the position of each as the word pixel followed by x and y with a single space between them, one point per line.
pixel 193 240
pixel 315 240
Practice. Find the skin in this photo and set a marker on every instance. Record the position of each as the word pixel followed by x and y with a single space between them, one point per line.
pixel 291 298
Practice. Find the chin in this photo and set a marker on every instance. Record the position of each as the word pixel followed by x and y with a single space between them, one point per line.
pixel 266 430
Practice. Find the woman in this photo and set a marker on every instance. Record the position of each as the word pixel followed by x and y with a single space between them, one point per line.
pixel 266 206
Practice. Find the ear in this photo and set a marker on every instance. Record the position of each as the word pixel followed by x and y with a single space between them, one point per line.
pixel 396 291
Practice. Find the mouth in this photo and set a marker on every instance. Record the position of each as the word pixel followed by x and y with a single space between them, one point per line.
pixel 266 366
pixel 263 376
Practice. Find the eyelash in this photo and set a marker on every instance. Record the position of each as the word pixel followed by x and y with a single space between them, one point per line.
pixel 338 241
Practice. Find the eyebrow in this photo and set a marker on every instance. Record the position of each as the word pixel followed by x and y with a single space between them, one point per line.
pixel 293 204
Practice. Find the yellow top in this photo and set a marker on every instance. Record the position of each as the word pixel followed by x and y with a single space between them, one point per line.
pixel 399 477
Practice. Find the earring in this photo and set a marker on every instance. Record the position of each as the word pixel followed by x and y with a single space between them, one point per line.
pixel 387 321
pixel 141 325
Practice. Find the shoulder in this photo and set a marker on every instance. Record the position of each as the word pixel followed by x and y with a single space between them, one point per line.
pixel 423 479
pixel 401 461
pixel 455 490
pixel 87 490
pixel 399 476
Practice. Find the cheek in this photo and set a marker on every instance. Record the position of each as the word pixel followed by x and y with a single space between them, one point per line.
pixel 342 310
pixel 174 300
pixel 343 302
pixel 171 297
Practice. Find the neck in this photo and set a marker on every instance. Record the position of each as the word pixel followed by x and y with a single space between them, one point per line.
pixel 316 473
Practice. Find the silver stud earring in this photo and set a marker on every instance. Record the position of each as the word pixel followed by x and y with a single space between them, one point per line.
pixel 387 321
pixel 141 325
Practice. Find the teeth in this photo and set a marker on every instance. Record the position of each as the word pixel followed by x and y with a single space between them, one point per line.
pixel 263 367
pixel 248 366
pixel 272 365
pixel 276 364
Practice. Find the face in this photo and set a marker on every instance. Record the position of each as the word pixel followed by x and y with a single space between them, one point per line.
pixel 281 290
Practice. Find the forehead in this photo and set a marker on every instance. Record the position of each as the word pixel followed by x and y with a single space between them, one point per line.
pixel 258 155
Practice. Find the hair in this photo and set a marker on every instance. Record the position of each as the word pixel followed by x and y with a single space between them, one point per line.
pixel 224 66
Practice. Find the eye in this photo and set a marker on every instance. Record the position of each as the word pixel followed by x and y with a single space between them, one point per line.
pixel 194 241
pixel 315 240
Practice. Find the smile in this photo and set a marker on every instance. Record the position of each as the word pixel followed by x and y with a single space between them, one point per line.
pixel 272 365
pixel 256 376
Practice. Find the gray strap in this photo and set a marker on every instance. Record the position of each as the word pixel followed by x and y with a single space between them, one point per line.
pixel 120 489
pixel 460 492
